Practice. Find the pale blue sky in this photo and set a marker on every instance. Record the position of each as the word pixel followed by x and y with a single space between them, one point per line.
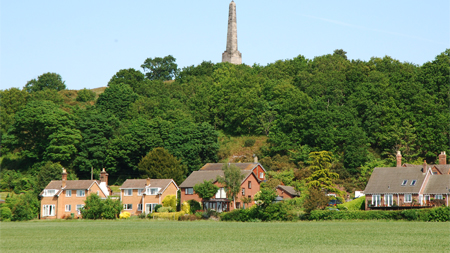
pixel 87 42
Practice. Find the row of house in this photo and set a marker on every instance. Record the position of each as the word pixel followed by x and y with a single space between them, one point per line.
pixel 64 197
pixel 408 185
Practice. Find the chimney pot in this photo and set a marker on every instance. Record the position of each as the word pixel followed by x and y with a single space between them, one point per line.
pixel 64 178
pixel 443 158
pixel 104 176
pixel 148 181
pixel 399 159
pixel 255 159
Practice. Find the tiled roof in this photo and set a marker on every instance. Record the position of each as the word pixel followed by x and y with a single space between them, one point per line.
pixel 438 184
pixel 141 183
pixel 70 184
pixel 289 189
pixel 208 175
pixel 444 169
pixel 219 166
pixel 389 180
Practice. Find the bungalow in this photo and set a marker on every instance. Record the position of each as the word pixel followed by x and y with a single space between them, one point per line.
pixel 253 174
pixel 62 198
pixel 287 192
pixel 142 195
pixel 408 185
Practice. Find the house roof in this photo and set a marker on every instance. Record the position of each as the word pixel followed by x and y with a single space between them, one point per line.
pixel 71 184
pixel 141 184
pixel 208 175
pixel 289 189
pixel 389 180
pixel 242 166
pixel 438 184
pixel 443 168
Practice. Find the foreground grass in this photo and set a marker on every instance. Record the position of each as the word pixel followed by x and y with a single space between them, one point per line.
pixel 209 236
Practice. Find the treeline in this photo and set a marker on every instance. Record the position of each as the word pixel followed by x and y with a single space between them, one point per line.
pixel 361 111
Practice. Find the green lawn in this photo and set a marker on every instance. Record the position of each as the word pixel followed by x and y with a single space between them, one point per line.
pixel 209 236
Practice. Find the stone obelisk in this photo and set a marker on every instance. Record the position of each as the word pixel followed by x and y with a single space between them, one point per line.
pixel 232 54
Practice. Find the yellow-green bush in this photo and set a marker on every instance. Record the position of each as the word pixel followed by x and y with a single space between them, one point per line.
pixel 170 200
pixel 168 216
pixel 125 215
pixel 185 207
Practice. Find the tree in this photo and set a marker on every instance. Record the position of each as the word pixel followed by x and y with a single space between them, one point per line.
pixel 321 177
pixel 11 101
pixel 232 181
pixel 206 190
pixel 97 208
pixel 48 172
pixel 266 196
pixel 132 77
pixel 48 80
pixel 315 198
pixel 85 95
pixel 160 68
pixel 117 98
pixel 160 164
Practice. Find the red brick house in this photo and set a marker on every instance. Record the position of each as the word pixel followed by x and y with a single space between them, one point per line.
pixel 142 195
pixel 287 192
pixel 62 198
pixel 408 185
pixel 253 174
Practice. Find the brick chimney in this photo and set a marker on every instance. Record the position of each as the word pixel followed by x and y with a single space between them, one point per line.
pixel 255 159
pixel 424 166
pixel 148 182
pixel 104 177
pixel 442 158
pixel 399 159
pixel 64 178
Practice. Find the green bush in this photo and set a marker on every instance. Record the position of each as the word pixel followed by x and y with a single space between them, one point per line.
pixel 356 204
pixel 5 213
pixel 85 95
pixel 194 206
pixel 157 207
pixel 165 209
pixel 23 206
pixel 141 216
pixel 249 143
pixel 167 216
pixel 170 200
pixel 97 208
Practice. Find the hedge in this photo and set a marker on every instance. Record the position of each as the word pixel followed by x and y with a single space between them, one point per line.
pixel 429 214
pixel 167 216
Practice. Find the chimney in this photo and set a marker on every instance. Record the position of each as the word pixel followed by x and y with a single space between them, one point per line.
pixel 442 158
pixel 104 177
pixel 255 159
pixel 64 178
pixel 399 159
pixel 148 181
pixel 424 166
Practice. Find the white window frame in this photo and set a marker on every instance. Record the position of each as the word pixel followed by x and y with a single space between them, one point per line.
pixel 189 191
pixel 376 199
pixel 139 207
pixel 48 210
pixel 128 192
pixel 150 207
pixel 49 193
pixel 388 199
pixel 127 206
pixel 68 193
pixel 261 174
pixel 81 193
pixel 438 196
pixel 221 194
pixel 404 182
pixel 152 191
pixel 243 192
pixel 408 198
pixel 79 208
pixel 68 208
pixel 140 192
pixel 249 184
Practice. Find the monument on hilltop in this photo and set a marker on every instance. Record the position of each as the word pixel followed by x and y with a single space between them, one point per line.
pixel 232 54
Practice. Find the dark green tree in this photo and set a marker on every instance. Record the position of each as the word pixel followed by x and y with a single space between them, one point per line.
pixel 48 80
pixel 48 172
pixel 160 68
pixel 231 180
pixel 132 77
pixel 117 98
pixel 206 190
pixel 85 95
pixel 160 164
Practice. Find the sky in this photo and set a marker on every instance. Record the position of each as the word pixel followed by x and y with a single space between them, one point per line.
pixel 87 42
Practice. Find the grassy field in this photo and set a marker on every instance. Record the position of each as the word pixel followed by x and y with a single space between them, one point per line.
pixel 209 236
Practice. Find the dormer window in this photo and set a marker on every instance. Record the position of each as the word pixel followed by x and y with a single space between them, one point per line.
pixel 404 182
pixel 49 192
pixel 413 182
pixel 152 191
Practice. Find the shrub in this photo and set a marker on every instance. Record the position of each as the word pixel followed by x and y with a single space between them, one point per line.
pixel 249 143
pixel 170 200
pixel 185 207
pixel 356 204
pixel 85 95
pixel 165 209
pixel 194 205
pixel 157 207
pixel 111 208
pixel 199 214
pixel 168 216
pixel 97 208
pixel 141 216
pixel 5 213
pixel 125 215
pixel 23 206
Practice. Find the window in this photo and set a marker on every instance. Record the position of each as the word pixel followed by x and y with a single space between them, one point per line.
pixel 127 206
pixel 189 191
pixel 80 193
pixel 376 199
pixel 408 198
pixel 128 192
pixel 249 184
pixel 413 182
pixel 79 208
pixel 139 207
pixel 68 208
pixel 68 193
pixel 261 174
pixel 438 196
pixel 404 182
pixel 243 191
pixel 388 199
pixel 140 192
pixel 149 208
pixel 221 194
pixel 49 193
pixel 238 205
pixel 153 191
pixel 48 210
